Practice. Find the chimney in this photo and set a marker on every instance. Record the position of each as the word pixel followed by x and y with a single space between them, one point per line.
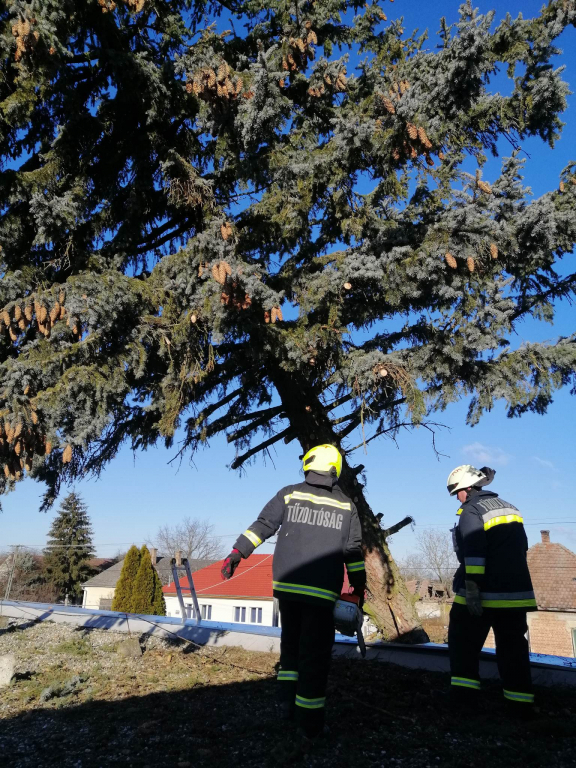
pixel 545 537
pixel 178 556
pixel 153 555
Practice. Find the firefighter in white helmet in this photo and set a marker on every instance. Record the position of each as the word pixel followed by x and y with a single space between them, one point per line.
pixel 492 589
pixel 319 534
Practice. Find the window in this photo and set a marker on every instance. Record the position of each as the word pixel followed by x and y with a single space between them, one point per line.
pixel 240 614
pixel 256 615
pixel 206 612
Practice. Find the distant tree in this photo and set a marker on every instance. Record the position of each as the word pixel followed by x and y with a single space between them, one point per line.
pixel 122 600
pixel 436 555
pixel 194 538
pixel 158 603
pixel 147 594
pixel 412 568
pixel 69 549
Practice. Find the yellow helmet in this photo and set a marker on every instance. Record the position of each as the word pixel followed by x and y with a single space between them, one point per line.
pixel 322 458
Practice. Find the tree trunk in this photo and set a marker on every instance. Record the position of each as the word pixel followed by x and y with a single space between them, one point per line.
pixel 389 603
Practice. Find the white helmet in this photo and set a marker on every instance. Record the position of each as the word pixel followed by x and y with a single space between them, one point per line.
pixel 468 476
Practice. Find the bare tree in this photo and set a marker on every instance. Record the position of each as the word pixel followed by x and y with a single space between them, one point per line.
pixel 436 556
pixel 194 538
pixel 412 567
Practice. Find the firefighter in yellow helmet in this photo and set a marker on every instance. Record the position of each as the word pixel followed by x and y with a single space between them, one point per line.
pixel 319 534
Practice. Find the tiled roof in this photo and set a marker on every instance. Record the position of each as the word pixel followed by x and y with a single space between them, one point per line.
pixel 553 570
pixel 252 578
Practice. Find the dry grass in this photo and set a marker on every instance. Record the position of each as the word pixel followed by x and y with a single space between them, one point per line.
pixel 179 706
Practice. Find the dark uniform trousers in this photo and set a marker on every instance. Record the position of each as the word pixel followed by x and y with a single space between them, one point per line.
pixel 305 655
pixel 466 637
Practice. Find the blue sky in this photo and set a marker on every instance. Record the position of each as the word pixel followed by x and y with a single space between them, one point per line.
pixel 534 456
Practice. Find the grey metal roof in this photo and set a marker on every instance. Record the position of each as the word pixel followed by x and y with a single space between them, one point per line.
pixel 109 577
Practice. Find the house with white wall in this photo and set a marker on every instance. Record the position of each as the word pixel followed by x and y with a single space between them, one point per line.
pixel 98 592
pixel 246 598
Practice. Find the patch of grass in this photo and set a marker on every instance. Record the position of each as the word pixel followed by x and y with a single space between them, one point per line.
pixel 76 647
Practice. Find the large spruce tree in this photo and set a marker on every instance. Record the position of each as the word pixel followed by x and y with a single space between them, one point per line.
pixel 69 548
pixel 186 249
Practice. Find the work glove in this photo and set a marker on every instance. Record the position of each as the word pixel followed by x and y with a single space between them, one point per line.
pixel 230 564
pixel 473 598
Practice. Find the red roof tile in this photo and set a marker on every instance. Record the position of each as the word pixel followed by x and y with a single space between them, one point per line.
pixel 553 570
pixel 253 578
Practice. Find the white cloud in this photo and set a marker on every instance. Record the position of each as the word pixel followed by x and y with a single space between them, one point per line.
pixel 544 463
pixel 486 455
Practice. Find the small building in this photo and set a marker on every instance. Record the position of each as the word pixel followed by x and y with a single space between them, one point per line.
pixel 246 598
pixel 99 590
pixel 431 598
pixel 552 629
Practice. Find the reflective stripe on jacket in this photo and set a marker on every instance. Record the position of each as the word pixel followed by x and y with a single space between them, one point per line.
pixel 490 543
pixel 319 534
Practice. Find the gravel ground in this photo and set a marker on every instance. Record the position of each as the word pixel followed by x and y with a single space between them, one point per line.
pixel 180 706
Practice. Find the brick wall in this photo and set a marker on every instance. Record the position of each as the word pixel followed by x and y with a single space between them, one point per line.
pixel 551 632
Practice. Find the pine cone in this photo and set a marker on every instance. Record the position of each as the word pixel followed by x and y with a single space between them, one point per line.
pixel 28 464
pixel 301 45
pixel 412 131
pixel 189 87
pixel 451 261
pixel 470 264
pixel 247 302
pixel 18 448
pixel 424 138
pixel 216 273
pixel 222 71
pixel 6 318
pixel 494 250
pixel 382 15
pixel 285 63
pixel 429 160
pixel 62 312
pixel 55 312
pixel 273 315
pixel 388 106
pixel 396 154
pixel 34 417
pixel 18 429
pixel 29 312
pixel 312 38
pixel 17 312
pixel 43 314
pixel 561 186
pixel 22 324
pixel 404 86
pixel 211 78
pixel 484 187
pixel 13 334
pixel 48 447
pixel 67 455
pixel 441 155
pixel 266 316
pixel 6 470
pixel 239 86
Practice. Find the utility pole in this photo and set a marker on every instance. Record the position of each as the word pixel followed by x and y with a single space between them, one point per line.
pixel 11 576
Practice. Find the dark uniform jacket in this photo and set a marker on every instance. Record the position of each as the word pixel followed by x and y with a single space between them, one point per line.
pixel 491 545
pixel 319 533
